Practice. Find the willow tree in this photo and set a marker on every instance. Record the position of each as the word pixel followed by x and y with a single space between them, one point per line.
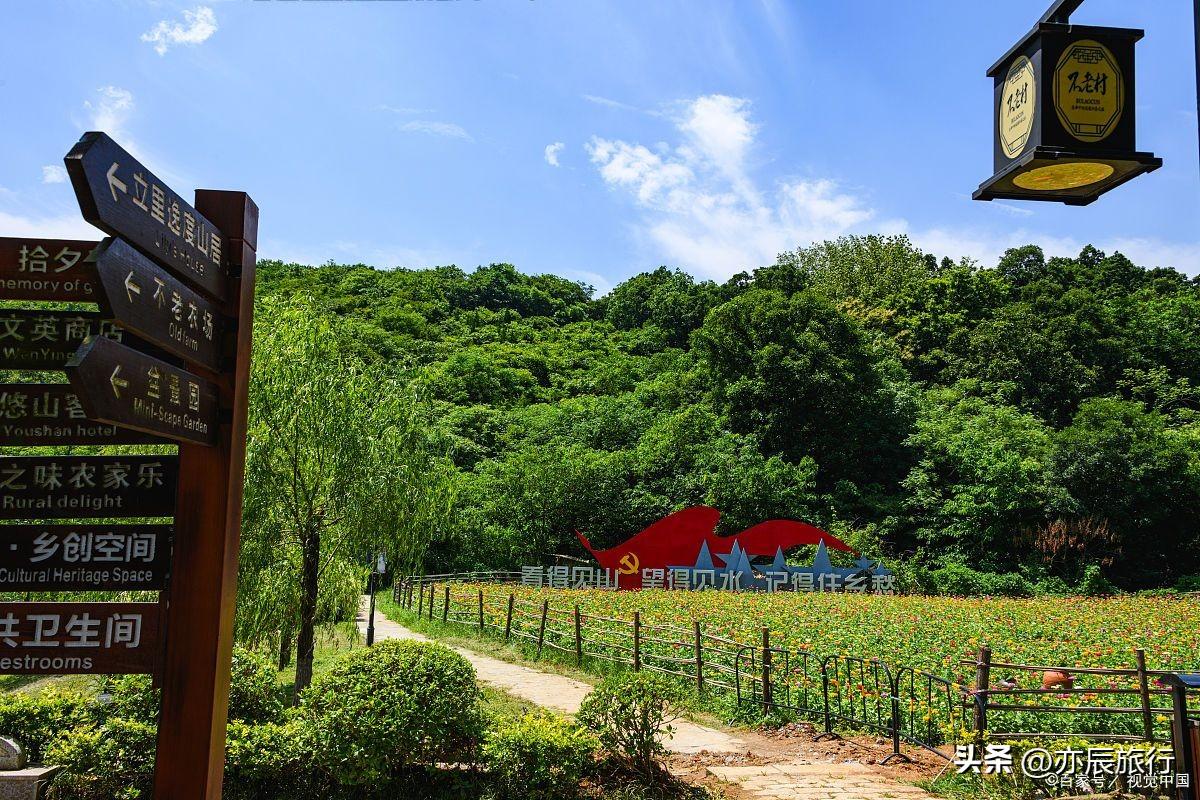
pixel 333 443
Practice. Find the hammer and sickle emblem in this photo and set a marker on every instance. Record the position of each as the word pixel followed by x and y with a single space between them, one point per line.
pixel 629 564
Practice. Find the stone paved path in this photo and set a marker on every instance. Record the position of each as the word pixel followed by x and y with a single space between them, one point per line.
pixel 788 780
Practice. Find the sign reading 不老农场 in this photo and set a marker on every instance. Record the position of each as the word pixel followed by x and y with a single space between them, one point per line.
pixel 60 487
pixel 59 558
pixel 44 414
pixel 56 270
pixel 79 638
pixel 143 298
pixel 120 385
pixel 123 198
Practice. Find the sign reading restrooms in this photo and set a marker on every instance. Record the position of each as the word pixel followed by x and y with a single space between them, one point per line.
pixel 155 350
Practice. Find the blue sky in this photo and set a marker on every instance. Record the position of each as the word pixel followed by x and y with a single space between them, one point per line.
pixel 589 138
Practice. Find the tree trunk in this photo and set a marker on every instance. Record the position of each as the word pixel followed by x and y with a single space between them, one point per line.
pixel 308 608
pixel 285 647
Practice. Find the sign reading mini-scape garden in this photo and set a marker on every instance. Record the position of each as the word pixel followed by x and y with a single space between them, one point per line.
pixel 149 345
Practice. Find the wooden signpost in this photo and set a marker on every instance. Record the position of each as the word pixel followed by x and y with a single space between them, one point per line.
pixel 164 359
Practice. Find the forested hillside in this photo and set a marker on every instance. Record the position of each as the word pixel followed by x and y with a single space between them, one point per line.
pixel 1037 416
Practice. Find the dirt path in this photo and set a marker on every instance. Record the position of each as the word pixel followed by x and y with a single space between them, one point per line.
pixel 786 767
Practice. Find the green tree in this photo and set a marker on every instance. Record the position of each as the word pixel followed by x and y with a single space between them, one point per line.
pixel 331 445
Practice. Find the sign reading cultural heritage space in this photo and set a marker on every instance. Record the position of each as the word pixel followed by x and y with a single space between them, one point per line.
pixel 119 385
pixel 58 487
pixel 43 414
pixel 54 270
pixel 123 198
pixel 63 558
pixel 79 638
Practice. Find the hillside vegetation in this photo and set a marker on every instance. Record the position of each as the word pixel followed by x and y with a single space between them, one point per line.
pixel 1038 416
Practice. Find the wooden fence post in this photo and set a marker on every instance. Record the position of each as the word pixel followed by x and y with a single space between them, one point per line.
pixel 421 602
pixel 1144 692
pixel 637 641
pixel 983 673
pixel 699 657
pixel 542 628
pixel 481 611
pixel 508 619
pixel 445 604
pixel 578 639
pixel 432 592
pixel 766 670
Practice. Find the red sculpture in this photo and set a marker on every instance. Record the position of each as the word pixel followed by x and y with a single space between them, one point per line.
pixel 675 541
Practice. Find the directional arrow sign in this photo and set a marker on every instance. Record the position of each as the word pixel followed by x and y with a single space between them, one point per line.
pixel 144 298
pixel 47 269
pixel 119 385
pixel 62 558
pixel 96 487
pixel 121 197
pixel 42 414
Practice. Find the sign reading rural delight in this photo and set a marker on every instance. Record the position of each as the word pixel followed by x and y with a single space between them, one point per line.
pixel 683 551
pixel 153 349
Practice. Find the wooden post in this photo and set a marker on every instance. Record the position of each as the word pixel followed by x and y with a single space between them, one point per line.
pixel 432 591
pixel 983 673
pixel 637 641
pixel 421 601
pixel 768 699
pixel 1144 693
pixel 481 611
pixel 542 628
pixel 578 639
pixel 445 603
pixel 190 759
pixel 699 657
pixel 508 619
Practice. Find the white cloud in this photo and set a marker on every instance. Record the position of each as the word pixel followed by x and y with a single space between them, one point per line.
pixel 66 226
pixel 986 247
pixel 196 28
pixel 54 173
pixel 552 151
pixel 607 103
pixel 111 112
pixel 448 129
pixel 701 208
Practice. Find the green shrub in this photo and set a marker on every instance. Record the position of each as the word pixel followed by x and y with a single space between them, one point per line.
pixel 271 760
pixel 1006 584
pixel 1094 584
pixel 397 704
pixel 1188 583
pixel 961 581
pixel 35 720
pixel 631 713
pixel 110 761
pixel 539 755
pixel 254 693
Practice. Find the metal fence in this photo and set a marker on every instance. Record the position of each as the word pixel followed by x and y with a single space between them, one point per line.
pixel 844 692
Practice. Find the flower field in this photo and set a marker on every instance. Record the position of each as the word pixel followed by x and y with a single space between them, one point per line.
pixel 929 633
pixel 926 634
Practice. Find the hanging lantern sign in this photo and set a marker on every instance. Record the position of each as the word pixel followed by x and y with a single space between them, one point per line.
pixel 1064 114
